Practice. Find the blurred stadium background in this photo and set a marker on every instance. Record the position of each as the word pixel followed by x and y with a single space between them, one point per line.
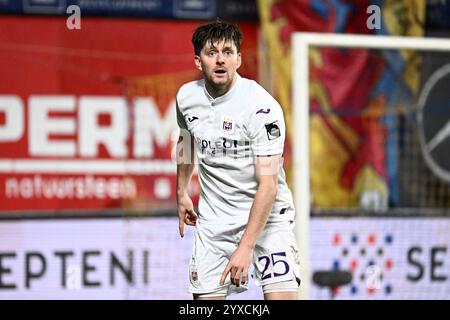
pixel 87 129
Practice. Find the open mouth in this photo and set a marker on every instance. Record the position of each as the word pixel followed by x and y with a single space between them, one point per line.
pixel 220 71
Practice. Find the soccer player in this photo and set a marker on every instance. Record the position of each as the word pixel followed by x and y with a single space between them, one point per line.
pixel 245 212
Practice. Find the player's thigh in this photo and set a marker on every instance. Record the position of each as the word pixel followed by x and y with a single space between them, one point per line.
pixel 276 255
pixel 213 245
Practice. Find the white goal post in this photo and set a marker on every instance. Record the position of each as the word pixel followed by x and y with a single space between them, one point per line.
pixel 301 42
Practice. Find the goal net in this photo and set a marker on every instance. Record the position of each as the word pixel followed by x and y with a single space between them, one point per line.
pixel 372 165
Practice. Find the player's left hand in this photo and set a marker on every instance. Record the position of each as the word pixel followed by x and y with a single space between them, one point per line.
pixel 238 266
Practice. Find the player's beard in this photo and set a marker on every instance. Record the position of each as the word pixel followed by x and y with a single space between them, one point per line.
pixel 221 83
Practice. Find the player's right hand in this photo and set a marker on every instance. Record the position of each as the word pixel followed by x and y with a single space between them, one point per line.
pixel 186 213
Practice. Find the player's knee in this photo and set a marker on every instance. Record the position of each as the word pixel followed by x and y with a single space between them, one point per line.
pixel 210 296
pixel 283 286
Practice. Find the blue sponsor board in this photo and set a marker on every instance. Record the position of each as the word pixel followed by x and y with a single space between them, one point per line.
pixel 438 14
pixel 133 8
pixel 143 8
pixel 10 6
pixel 189 9
pixel 238 10
pixel 178 9
pixel 44 6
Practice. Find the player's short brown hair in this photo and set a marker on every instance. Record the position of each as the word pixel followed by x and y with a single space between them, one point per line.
pixel 216 31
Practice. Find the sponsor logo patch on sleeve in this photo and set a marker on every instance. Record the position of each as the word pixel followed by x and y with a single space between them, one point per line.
pixel 273 130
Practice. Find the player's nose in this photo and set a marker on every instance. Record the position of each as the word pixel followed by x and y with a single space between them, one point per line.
pixel 220 59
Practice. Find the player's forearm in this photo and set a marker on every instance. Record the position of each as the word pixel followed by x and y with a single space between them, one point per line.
pixel 185 162
pixel 184 175
pixel 259 213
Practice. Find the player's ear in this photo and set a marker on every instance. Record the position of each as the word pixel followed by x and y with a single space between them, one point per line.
pixel 198 63
pixel 239 60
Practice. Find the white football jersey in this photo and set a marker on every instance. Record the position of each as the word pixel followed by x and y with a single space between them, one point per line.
pixel 229 132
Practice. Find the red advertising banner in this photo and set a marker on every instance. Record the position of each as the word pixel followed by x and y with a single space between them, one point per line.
pixel 87 117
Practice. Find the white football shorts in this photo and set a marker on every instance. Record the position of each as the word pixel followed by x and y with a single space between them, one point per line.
pixel 275 257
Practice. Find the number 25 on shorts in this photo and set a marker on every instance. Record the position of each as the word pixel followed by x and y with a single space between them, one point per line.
pixel 275 258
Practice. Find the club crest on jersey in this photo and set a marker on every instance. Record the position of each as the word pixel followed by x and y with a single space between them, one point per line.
pixel 227 125
pixel 273 130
